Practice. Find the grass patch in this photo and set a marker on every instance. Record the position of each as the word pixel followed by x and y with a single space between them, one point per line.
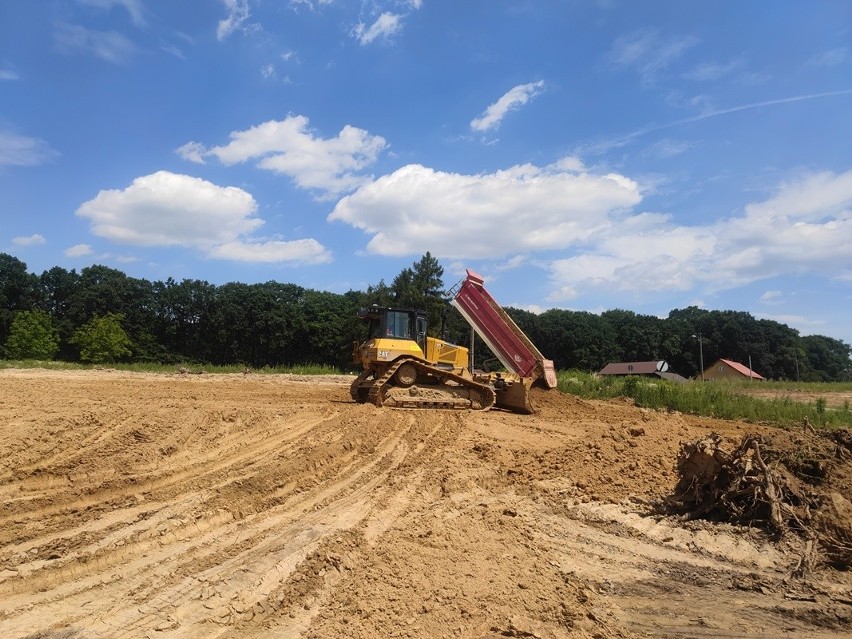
pixel 712 399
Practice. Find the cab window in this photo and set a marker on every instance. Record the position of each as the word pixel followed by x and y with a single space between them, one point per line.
pixel 398 325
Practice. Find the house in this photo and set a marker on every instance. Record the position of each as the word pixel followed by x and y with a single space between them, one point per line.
pixel 648 369
pixel 727 369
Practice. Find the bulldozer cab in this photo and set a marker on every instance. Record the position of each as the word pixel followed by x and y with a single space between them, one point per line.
pixel 398 323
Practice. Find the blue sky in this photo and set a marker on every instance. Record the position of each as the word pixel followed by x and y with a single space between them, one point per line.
pixel 586 155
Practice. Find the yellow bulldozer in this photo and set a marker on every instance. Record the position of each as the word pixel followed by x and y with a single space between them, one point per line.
pixel 405 368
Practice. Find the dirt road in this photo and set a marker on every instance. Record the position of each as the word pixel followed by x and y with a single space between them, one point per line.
pixel 165 506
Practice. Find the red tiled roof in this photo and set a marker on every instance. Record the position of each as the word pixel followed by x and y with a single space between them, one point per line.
pixel 743 370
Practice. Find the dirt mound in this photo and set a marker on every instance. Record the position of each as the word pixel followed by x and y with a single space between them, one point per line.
pixel 250 505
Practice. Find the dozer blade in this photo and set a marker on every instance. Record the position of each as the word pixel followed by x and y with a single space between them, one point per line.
pixel 516 397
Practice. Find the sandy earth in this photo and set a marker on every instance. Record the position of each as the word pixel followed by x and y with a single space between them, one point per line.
pixel 137 505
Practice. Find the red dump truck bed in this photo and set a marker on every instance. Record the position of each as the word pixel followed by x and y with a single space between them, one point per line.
pixel 508 342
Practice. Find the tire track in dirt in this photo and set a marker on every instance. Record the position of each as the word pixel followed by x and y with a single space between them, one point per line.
pixel 232 506
pixel 138 546
pixel 253 599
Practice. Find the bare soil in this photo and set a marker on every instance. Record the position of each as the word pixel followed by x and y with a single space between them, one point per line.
pixel 161 506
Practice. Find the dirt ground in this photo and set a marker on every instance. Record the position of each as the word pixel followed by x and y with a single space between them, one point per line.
pixel 164 506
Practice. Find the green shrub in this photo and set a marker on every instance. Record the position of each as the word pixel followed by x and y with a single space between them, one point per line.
pixel 32 336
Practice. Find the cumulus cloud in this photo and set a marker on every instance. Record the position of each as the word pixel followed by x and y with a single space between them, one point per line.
pixel 78 250
pixel 587 228
pixel 238 13
pixel 811 222
pixel 523 208
pixel 168 209
pixel 385 26
pixel 811 229
pixel 290 148
pixel 107 45
pixel 30 240
pixel 512 100
pixel 648 52
pixel 20 150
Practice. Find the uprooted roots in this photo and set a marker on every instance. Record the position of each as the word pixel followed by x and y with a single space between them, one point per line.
pixel 739 487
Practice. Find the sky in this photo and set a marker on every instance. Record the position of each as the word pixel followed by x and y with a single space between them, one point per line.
pixel 579 154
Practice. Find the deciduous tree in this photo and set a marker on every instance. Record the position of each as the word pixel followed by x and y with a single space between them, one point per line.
pixel 32 336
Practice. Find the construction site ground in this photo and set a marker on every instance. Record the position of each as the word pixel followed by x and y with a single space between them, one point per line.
pixel 199 506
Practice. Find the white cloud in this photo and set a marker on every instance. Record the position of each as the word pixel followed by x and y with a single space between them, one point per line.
pixel 512 100
pixel 172 50
pixel 771 297
pixel 20 150
pixel 192 151
pixel 290 148
pixel 811 229
pixel 134 8
pixel 668 148
pixel 602 240
pixel 168 209
pixel 648 52
pixel 385 26
pixel 832 58
pixel 8 74
pixel 307 251
pixel 309 3
pixel 710 71
pixel 803 324
pixel 107 45
pixel 30 240
pixel 238 13
pixel 78 250
pixel 524 208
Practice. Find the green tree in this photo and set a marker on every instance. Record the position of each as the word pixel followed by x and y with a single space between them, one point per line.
pixel 102 339
pixel 422 287
pixel 101 290
pixel 183 315
pixel 57 290
pixel 639 337
pixel 17 291
pixel 32 336
pixel 827 359
pixel 575 339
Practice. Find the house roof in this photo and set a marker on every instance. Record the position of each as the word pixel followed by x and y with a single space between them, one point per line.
pixel 672 377
pixel 741 369
pixel 634 368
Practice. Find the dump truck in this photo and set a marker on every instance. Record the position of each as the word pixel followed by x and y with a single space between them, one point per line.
pixel 405 368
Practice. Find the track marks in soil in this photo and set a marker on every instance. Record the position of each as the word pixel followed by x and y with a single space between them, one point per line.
pixel 163 506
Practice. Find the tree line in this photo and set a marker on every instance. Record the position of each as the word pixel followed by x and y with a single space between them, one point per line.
pixel 100 314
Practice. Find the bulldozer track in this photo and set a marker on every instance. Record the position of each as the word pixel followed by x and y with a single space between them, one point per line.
pixel 459 394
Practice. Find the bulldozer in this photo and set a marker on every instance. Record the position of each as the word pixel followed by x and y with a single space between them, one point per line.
pixel 402 367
